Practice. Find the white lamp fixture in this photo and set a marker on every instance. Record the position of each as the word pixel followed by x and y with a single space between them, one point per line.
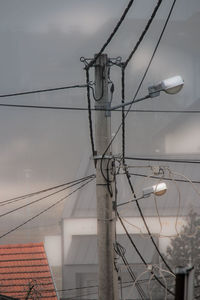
pixel 171 85
pixel 158 190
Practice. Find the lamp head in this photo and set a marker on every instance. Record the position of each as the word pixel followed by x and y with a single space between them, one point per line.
pixel 171 85
pixel 157 189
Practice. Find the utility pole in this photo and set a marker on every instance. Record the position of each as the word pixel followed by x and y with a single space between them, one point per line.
pixel 106 218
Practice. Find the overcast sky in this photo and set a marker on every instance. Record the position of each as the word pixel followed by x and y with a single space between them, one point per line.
pixel 41 44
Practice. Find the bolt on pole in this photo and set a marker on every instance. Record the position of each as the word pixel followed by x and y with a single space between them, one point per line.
pixel 106 218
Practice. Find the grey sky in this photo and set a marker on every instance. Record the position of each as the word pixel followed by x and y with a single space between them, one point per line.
pixel 41 43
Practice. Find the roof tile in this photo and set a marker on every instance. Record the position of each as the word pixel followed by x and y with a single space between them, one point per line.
pixel 24 268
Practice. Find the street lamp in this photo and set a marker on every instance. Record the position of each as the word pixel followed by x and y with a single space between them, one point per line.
pixel 157 189
pixel 171 85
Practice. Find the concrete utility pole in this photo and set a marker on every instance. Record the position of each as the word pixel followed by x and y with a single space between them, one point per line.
pixel 184 283
pixel 108 280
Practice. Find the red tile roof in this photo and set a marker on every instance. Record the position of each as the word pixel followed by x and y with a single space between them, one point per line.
pixel 24 270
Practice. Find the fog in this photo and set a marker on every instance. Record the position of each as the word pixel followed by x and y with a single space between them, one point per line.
pixel 41 45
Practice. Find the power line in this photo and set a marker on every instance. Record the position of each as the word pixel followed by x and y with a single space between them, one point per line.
pixel 176 160
pixel 120 250
pixel 22 197
pixel 45 210
pixel 145 223
pixel 143 33
pixel 140 255
pixel 96 109
pixel 164 178
pixel 145 73
pixel 89 113
pixel 43 90
pixel 112 34
pixel 42 198
pixel 124 65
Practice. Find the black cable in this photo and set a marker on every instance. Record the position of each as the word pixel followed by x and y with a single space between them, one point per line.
pixel 141 257
pixel 147 228
pixel 120 250
pixel 165 178
pixel 43 90
pixel 112 34
pixel 123 112
pixel 124 65
pixel 89 113
pixel 40 199
pixel 145 73
pixel 96 109
pixel 176 160
pixel 46 209
pixel 143 33
pixel 22 197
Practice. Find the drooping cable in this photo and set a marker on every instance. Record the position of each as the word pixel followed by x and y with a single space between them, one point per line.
pixel 140 255
pixel 124 65
pixel 143 33
pixel 175 160
pixel 145 223
pixel 165 178
pixel 43 90
pixel 120 250
pixel 42 198
pixel 95 109
pixel 22 197
pixel 45 210
pixel 112 34
pixel 123 112
pixel 146 71
pixel 89 112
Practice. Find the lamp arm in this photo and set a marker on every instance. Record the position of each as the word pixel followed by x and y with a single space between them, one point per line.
pixel 128 103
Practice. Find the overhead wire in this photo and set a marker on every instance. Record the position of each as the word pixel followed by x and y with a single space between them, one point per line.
pixel 145 73
pixel 145 223
pixel 92 62
pixel 45 210
pixel 94 109
pixel 123 67
pixel 165 178
pixel 89 113
pixel 120 250
pixel 174 160
pixel 140 255
pixel 42 198
pixel 22 197
pixel 43 90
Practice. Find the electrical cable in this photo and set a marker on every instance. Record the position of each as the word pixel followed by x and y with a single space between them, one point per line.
pixel 123 112
pixel 96 109
pixel 92 62
pixel 46 209
pixel 120 250
pixel 43 90
pixel 164 178
pixel 40 199
pixel 124 65
pixel 89 113
pixel 141 257
pixel 145 73
pixel 176 160
pixel 22 197
pixel 143 34
pixel 145 223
